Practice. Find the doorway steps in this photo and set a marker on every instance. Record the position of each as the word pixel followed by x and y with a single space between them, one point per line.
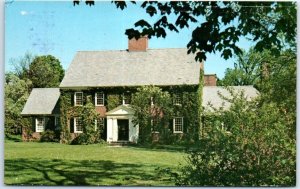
pixel 119 143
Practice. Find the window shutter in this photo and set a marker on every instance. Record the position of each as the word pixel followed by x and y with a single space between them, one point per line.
pixel 33 124
pixel 47 123
pixel 93 98
pixel 84 98
pixel 72 99
pixel 72 125
pixel 171 125
pixel 184 125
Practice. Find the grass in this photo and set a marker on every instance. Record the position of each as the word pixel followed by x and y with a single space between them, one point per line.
pixel 33 163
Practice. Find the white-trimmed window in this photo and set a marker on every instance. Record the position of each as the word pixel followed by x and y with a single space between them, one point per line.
pixel 78 125
pixel 99 123
pixel 126 99
pixel 177 99
pixel 40 124
pixel 78 98
pixel 178 125
pixel 99 99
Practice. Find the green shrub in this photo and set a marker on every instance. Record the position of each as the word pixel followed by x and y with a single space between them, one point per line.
pixel 249 145
pixel 84 139
pixel 49 136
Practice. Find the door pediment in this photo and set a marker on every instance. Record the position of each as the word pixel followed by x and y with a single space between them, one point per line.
pixel 121 110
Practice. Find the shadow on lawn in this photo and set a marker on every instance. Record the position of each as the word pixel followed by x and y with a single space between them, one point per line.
pixel 80 173
pixel 160 148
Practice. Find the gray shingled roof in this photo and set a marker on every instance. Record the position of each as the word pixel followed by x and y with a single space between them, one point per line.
pixel 122 68
pixel 41 101
pixel 210 95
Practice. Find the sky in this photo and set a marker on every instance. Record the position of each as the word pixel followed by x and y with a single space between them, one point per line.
pixel 61 29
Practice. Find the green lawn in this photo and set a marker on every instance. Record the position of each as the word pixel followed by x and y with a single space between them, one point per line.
pixel 33 163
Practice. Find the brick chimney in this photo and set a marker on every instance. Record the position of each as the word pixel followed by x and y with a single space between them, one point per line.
pixel 140 44
pixel 210 80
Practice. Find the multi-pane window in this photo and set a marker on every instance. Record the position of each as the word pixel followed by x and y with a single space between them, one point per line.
pixel 99 123
pixel 99 99
pixel 126 99
pixel 39 124
pixel 78 98
pixel 178 124
pixel 177 99
pixel 78 125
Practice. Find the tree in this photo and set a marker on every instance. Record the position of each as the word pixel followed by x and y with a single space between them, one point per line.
pixel 16 93
pixel 21 65
pixel 247 69
pixel 224 23
pixel 249 145
pixel 254 143
pixel 279 86
pixel 45 71
pixel 151 117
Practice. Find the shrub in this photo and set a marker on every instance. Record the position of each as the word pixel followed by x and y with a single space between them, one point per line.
pixel 246 146
pixel 84 139
pixel 49 136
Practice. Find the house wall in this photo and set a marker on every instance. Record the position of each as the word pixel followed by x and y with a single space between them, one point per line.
pixel 30 134
pixel 188 109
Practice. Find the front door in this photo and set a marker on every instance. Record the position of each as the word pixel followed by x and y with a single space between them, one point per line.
pixel 123 129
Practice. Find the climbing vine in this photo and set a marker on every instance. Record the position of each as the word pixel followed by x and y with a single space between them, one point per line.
pixel 158 117
pixel 161 112
pixel 88 115
pixel 200 97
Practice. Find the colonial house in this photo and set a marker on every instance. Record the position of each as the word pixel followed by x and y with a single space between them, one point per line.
pixel 109 78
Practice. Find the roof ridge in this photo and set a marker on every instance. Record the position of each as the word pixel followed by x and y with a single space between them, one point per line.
pixel 126 50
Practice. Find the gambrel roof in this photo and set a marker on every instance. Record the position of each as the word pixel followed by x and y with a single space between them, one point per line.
pixel 211 95
pixel 160 67
pixel 42 101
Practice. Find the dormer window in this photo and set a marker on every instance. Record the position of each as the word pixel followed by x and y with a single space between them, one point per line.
pixel 78 98
pixel 126 99
pixel 99 99
pixel 177 99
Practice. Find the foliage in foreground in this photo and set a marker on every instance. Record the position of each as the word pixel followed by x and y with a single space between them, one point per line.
pixel 225 22
pixel 246 146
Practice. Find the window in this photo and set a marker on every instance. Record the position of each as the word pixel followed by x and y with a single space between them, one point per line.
pixel 99 124
pixel 177 99
pixel 178 125
pixel 151 101
pixel 99 99
pixel 126 99
pixel 78 128
pixel 39 124
pixel 78 98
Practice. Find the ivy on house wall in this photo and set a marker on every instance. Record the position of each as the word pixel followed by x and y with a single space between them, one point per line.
pixel 113 101
pixel 164 110
pixel 200 99
pixel 88 114
pixel 151 117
